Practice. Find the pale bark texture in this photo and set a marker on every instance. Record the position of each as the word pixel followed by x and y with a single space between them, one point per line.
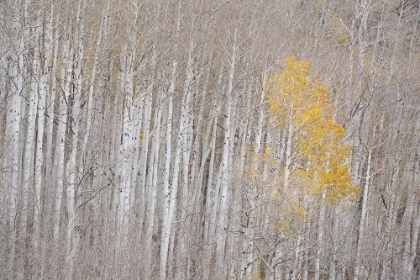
pixel 137 141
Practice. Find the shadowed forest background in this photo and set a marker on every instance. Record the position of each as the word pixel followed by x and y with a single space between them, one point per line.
pixel 192 139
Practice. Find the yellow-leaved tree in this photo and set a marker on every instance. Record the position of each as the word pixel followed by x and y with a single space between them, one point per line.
pixel 315 159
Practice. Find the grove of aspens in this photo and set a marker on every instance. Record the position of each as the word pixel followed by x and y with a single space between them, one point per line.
pixel 210 139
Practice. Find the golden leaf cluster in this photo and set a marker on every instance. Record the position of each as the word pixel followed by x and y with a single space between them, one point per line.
pixel 299 104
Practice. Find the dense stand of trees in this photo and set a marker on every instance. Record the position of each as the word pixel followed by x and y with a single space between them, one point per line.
pixel 139 139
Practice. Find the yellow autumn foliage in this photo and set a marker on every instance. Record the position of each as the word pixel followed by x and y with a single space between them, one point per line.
pixel 299 104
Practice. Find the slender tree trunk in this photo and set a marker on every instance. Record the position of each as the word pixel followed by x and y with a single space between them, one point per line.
pixel 211 205
pixel 363 217
pixel 148 108
pixel 44 93
pixel 166 223
pixel 295 271
pixel 12 138
pixel 73 227
pixel 226 170
pixel 319 238
pixel 59 158
pixel 152 186
pixel 28 160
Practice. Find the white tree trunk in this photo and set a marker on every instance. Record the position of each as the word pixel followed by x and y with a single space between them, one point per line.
pixel 226 170
pixel 44 93
pixel 295 271
pixel 148 107
pixel 65 76
pixel 320 235
pixel 124 169
pixel 363 217
pixel 73 227
pixel 12 138
pixel 166 219
pixel 50 110
pixel 28 158
pixel 152 186
pixel 186 143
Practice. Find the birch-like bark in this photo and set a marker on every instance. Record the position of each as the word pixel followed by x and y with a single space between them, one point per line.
pixel 363 217
pixel 30 134
pixel 239 148
pixel 148 107
pixel 49 155
pixel 295 271
pixel 319 237
pixel 65 74
pixel 128 138
pixel 201 156
pixel 212 188
pixel 186 135
pixel 169 197
pixel 12 137
pixel 288 154
pixel 179 151
pixel 90 102
pixel 395 171
pixel 335 240
pixel 166 222
pixel 50 109
pixel 44 93
pixel 152 186
pixel 357 121
pixel 248 243
pixel 261 118
pixel 28 157
pixel 124 169
pixel 200 145
pixel 73 226
pixel 225 169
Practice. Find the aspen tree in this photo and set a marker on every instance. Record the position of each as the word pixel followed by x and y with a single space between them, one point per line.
pixel 33 95
pixel 44 93
pixel 66 74
pixel 11 163
pixel 169 198
pixel 315 158
pixel 73 226
pixel 167 215
pixel 225 170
